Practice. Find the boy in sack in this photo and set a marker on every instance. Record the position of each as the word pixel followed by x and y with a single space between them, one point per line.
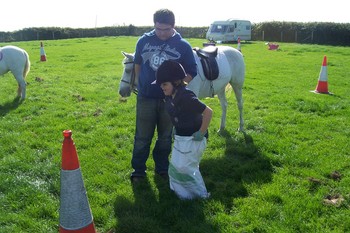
pixel 191 119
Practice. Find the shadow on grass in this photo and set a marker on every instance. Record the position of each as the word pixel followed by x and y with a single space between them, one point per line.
pixel 158 209
pixel 153 212
pixel 241 164
pixel 9 106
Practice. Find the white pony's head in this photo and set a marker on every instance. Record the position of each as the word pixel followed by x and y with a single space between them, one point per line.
pixel 128 82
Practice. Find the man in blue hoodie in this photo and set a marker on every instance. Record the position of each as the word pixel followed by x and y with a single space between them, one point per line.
pixel 152 49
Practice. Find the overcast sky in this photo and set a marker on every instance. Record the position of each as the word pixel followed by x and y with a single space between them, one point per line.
pixel 19 14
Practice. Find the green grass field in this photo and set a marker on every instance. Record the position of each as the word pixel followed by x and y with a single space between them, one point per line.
pixel 277 177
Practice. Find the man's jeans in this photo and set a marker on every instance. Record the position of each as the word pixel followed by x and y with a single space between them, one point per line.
pixel 151 115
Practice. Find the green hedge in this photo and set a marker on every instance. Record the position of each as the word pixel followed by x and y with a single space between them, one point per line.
pixel 310 33
pixel 55 33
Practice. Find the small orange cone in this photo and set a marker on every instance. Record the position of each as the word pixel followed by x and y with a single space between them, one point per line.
pixel 322 85
pixel 75 212
pixel 42 52
pixel 239 44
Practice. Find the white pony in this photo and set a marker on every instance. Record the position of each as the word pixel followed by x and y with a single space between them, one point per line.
pixel 231 71
pixel 16 60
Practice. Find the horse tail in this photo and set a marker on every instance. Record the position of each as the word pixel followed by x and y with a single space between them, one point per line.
pixel 27 65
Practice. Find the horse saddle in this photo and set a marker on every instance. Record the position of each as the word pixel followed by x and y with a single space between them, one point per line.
pixel 207 57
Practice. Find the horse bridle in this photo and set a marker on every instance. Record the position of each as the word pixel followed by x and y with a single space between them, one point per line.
pixel 132 79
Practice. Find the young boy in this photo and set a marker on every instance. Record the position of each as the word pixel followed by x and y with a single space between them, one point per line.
pixel 191 119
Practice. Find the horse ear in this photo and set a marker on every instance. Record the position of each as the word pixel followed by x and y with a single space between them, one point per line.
pixel 128 55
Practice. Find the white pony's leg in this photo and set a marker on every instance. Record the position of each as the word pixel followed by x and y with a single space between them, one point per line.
pixel 21 91
pixel 237 80
pixel 23 87
pixel 223 102
pixel 239 98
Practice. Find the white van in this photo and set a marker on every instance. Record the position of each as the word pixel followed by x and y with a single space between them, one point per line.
pixel 229 30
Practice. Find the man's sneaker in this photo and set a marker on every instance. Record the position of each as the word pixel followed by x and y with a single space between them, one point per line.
pixel 136 179
pixel 164 175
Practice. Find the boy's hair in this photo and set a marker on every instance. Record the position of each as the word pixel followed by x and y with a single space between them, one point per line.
pixel 164 16
pixel 179 83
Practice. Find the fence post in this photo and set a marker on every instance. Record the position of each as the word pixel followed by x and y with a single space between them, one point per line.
pixel 281 36
pixel 296 36
pixel 263 35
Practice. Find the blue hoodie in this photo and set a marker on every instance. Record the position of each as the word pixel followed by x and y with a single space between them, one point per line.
pixel 151 52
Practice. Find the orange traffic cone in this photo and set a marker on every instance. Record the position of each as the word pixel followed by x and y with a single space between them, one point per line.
pixel 239 44
pixel 42 52
pixel 75 212
pixel 322 85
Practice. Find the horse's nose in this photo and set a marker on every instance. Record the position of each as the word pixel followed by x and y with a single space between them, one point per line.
pixel 124 92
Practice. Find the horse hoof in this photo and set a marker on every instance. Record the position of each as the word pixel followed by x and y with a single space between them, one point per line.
pixel 221 131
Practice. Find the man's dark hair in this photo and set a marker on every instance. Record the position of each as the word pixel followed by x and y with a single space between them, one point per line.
pixel 164 16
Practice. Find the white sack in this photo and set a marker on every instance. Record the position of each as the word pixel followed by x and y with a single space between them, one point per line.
pixel 184 175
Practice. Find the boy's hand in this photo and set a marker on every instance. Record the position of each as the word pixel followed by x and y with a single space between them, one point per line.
pixel 198 136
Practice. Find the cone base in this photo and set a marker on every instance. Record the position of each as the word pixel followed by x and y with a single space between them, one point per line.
pixel 43 58
pixel 322 87
pixel 88 229
pixel 318 92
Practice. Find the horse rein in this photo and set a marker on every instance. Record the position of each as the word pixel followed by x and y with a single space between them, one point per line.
pixel 133 77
